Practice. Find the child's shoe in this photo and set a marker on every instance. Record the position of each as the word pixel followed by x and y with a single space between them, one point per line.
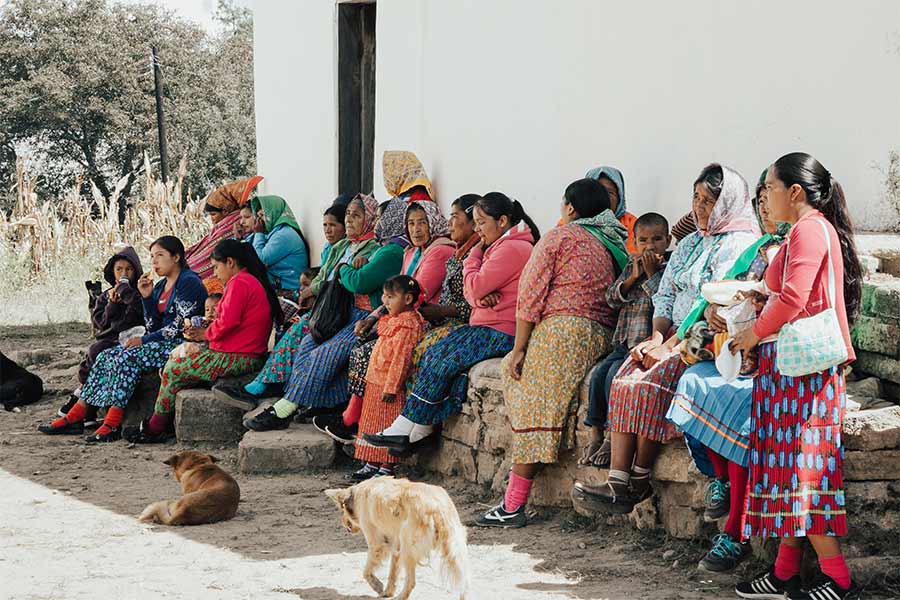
pixel 725 554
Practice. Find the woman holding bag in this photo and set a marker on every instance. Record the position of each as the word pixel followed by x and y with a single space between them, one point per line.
pixel 795 484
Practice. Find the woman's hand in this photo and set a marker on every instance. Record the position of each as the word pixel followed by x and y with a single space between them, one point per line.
pixel 654 355
pixel 145 285
pixel 639 351
pixel 113 296
pixel 359 261
pixel 716 323
pixel 744 341
pixel 132 343
pixel 758 299
pixel 363 326
pixel 515 363
pixel 195 334
pixel 432 312
pixel 489 301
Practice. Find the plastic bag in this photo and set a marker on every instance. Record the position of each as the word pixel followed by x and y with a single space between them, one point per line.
pixel 331 312
pixel 738 317
pixel 134 332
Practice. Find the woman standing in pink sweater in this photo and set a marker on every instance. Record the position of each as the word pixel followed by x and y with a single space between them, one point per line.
pixel 238 336
pixel 795 487
pixel 491 286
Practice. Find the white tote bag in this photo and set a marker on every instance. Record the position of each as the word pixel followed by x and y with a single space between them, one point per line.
pixel 815 343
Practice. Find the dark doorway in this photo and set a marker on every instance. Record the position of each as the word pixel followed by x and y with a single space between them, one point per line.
pixel 356 97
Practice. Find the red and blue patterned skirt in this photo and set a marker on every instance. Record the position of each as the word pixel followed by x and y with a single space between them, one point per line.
pixel 796 456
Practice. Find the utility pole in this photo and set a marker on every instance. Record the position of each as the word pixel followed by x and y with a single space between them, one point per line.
pixel 160 122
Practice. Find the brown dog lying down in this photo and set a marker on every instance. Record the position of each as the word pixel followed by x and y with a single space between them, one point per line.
pixel 209 494
pixel 408 521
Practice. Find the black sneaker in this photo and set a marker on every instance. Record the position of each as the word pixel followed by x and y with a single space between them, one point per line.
pixel 306 413
pixel 825 588
pixel 267 420
pixel 766 586
pixel 500 517
pixel 76 428
pixel 718 500
pixel 235 395
pixel 725 554
pixel 102 438
pixel 368 471
pixel 320 422
pixel 345 434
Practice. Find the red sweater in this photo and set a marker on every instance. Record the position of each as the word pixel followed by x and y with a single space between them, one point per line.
pixel 805 291
pixel 244 318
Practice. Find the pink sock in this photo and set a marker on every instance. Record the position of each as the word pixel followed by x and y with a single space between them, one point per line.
pixel 516 492
pixel 353 411
pixel 787 563
pixel 836 568
pixel 158 424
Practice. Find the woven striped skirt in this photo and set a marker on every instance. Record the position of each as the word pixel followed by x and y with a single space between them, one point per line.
pixel 542 404
pixel 639 398
pixel 796 485
pixel 440 380
pixel 318 375
pixel 714 412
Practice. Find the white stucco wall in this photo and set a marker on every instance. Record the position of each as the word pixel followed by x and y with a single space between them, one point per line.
pixel 524 97
pixel 295 67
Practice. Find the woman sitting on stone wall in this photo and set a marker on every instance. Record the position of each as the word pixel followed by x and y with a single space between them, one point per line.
pixel 563 327
pixel 490 283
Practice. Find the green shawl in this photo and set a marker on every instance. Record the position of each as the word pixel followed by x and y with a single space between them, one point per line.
pixel 276 212
pixel 612 234
pixel 740 266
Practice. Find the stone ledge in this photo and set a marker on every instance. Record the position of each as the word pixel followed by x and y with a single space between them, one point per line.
pixel 200 417
pixel 297 448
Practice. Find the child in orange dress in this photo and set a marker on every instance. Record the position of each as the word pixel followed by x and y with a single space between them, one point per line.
pixel 398 333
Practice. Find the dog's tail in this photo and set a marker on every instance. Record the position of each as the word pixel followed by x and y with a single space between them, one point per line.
pixel 158 512
pixel 451 537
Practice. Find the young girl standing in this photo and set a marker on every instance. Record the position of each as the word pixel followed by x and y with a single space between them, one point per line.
pixel 398 333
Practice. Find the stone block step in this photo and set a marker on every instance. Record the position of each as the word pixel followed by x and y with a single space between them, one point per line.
pixel 201 417
pixel 297 448
pixel 872 429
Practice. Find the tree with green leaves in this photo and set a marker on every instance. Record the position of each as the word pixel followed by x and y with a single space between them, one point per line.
pixel 78 97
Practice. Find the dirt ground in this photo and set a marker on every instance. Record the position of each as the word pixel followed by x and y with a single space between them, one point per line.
pixel 288 516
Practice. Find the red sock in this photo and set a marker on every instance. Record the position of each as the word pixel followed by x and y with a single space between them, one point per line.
pixel 719 463
pixel 157 424
pixel 353 411
pixel 75 414
pixel 113 419
pixel 787 563
pixel 737 477
pixel 517 492
pixel 836 568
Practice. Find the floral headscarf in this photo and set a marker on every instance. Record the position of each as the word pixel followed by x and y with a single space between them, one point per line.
pixel 392 223
pixel 402 172
pixel 733 210
pixel 437 223
pixel 370 208
pixel 232 196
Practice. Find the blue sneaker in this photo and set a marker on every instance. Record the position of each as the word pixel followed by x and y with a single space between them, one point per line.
pixel 718 500
pixel 725 554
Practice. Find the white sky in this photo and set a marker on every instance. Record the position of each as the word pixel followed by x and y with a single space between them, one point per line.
pixel 199 11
